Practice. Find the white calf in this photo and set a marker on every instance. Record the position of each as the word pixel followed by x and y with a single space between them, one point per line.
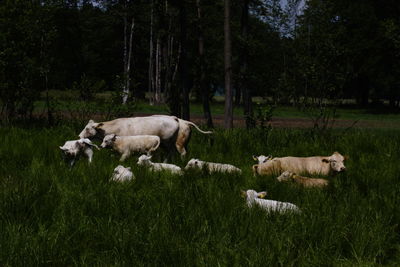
pixel 144 160
pixel 122 174
pixel 72 150
pixel 254 198
pixel 212 167
pixel 301 180
pixel 127 145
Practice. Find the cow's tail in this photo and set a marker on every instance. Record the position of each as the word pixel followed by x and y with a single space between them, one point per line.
pixel 198 129
pixel 156 146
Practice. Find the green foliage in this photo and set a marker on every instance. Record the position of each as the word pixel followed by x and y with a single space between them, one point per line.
pixel 51 214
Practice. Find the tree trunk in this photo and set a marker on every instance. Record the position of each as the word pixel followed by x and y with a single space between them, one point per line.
pixel 151 52
pixel 127 74
pixel 202 85
pixel 183 63
pixel 243 84
pixel 157 95
pixel 228 116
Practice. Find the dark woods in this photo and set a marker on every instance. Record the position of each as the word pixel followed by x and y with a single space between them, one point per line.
pixel 168 50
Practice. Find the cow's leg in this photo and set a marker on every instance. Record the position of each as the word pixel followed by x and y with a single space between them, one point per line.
pixel 124 156
pixel 182 141
pixel 89 154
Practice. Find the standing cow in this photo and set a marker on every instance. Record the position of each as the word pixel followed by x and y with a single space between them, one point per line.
pixel 172 131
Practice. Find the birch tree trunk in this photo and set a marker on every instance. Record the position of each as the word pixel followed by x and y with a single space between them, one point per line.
pixel 202 85
pixel 228 116
pixel 127 75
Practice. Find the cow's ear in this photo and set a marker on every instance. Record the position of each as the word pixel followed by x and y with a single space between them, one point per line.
pixel 62 148
pixel 325 160
pixel 129 168
pixel 255 158
pixel 114 137
pixel 262 194
pixel 99 125
pixel 243 193
pixel 91 121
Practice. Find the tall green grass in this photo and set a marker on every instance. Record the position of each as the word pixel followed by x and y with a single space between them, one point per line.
pixel 53 215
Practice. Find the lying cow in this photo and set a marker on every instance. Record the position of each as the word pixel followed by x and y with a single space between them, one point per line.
pixel 262 159
pixel 318 165
pixel 127 145
pixel 171 130
pixel 212 167
pixel 144 160
pixel 256 198
pixel 122 174
pixel 301 180
pixel 72 150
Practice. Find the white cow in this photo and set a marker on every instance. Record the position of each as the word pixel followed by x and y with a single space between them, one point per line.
pixel 317 165
pixel 72 150
pixel 212 167
pixel 144 160
pixel 262 159
pixel 255 198
pixel 127 145
pixel 171 130
pixel 122 174
pixel 301 180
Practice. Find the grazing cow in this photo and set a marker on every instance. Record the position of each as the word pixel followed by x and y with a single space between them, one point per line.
pixel 256 198
pixel 262 159
pixel 212 167
pixel 127 145
pixel 72 150
pixel 122 174
pixel 311 165
pixel 301 180
pixel 144 160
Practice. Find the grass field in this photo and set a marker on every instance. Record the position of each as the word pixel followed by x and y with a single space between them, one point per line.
pixel 51 215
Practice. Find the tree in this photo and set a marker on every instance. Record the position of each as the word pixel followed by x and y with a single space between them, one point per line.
pixel 228 116
pixel 201 68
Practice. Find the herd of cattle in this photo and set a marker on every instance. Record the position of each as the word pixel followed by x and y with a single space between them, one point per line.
pixel 144 135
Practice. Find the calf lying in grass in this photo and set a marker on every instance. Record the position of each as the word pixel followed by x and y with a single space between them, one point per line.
pixel 122 174
pixel 301 180
pixel 72 150
pixel 127 145
pixel 255 198
pixel 212 167
pixel 144 160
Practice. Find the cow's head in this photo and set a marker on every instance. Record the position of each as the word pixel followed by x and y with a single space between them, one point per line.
pixel 262 159
pixel 250 194
pixel 193 163
pixel 91 129
pixel 108 140
pixel 144 160
pixel 285 176
pixel 336 162
pixel 71 148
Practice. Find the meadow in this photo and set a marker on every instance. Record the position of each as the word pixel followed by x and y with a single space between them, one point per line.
pixel 53 215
